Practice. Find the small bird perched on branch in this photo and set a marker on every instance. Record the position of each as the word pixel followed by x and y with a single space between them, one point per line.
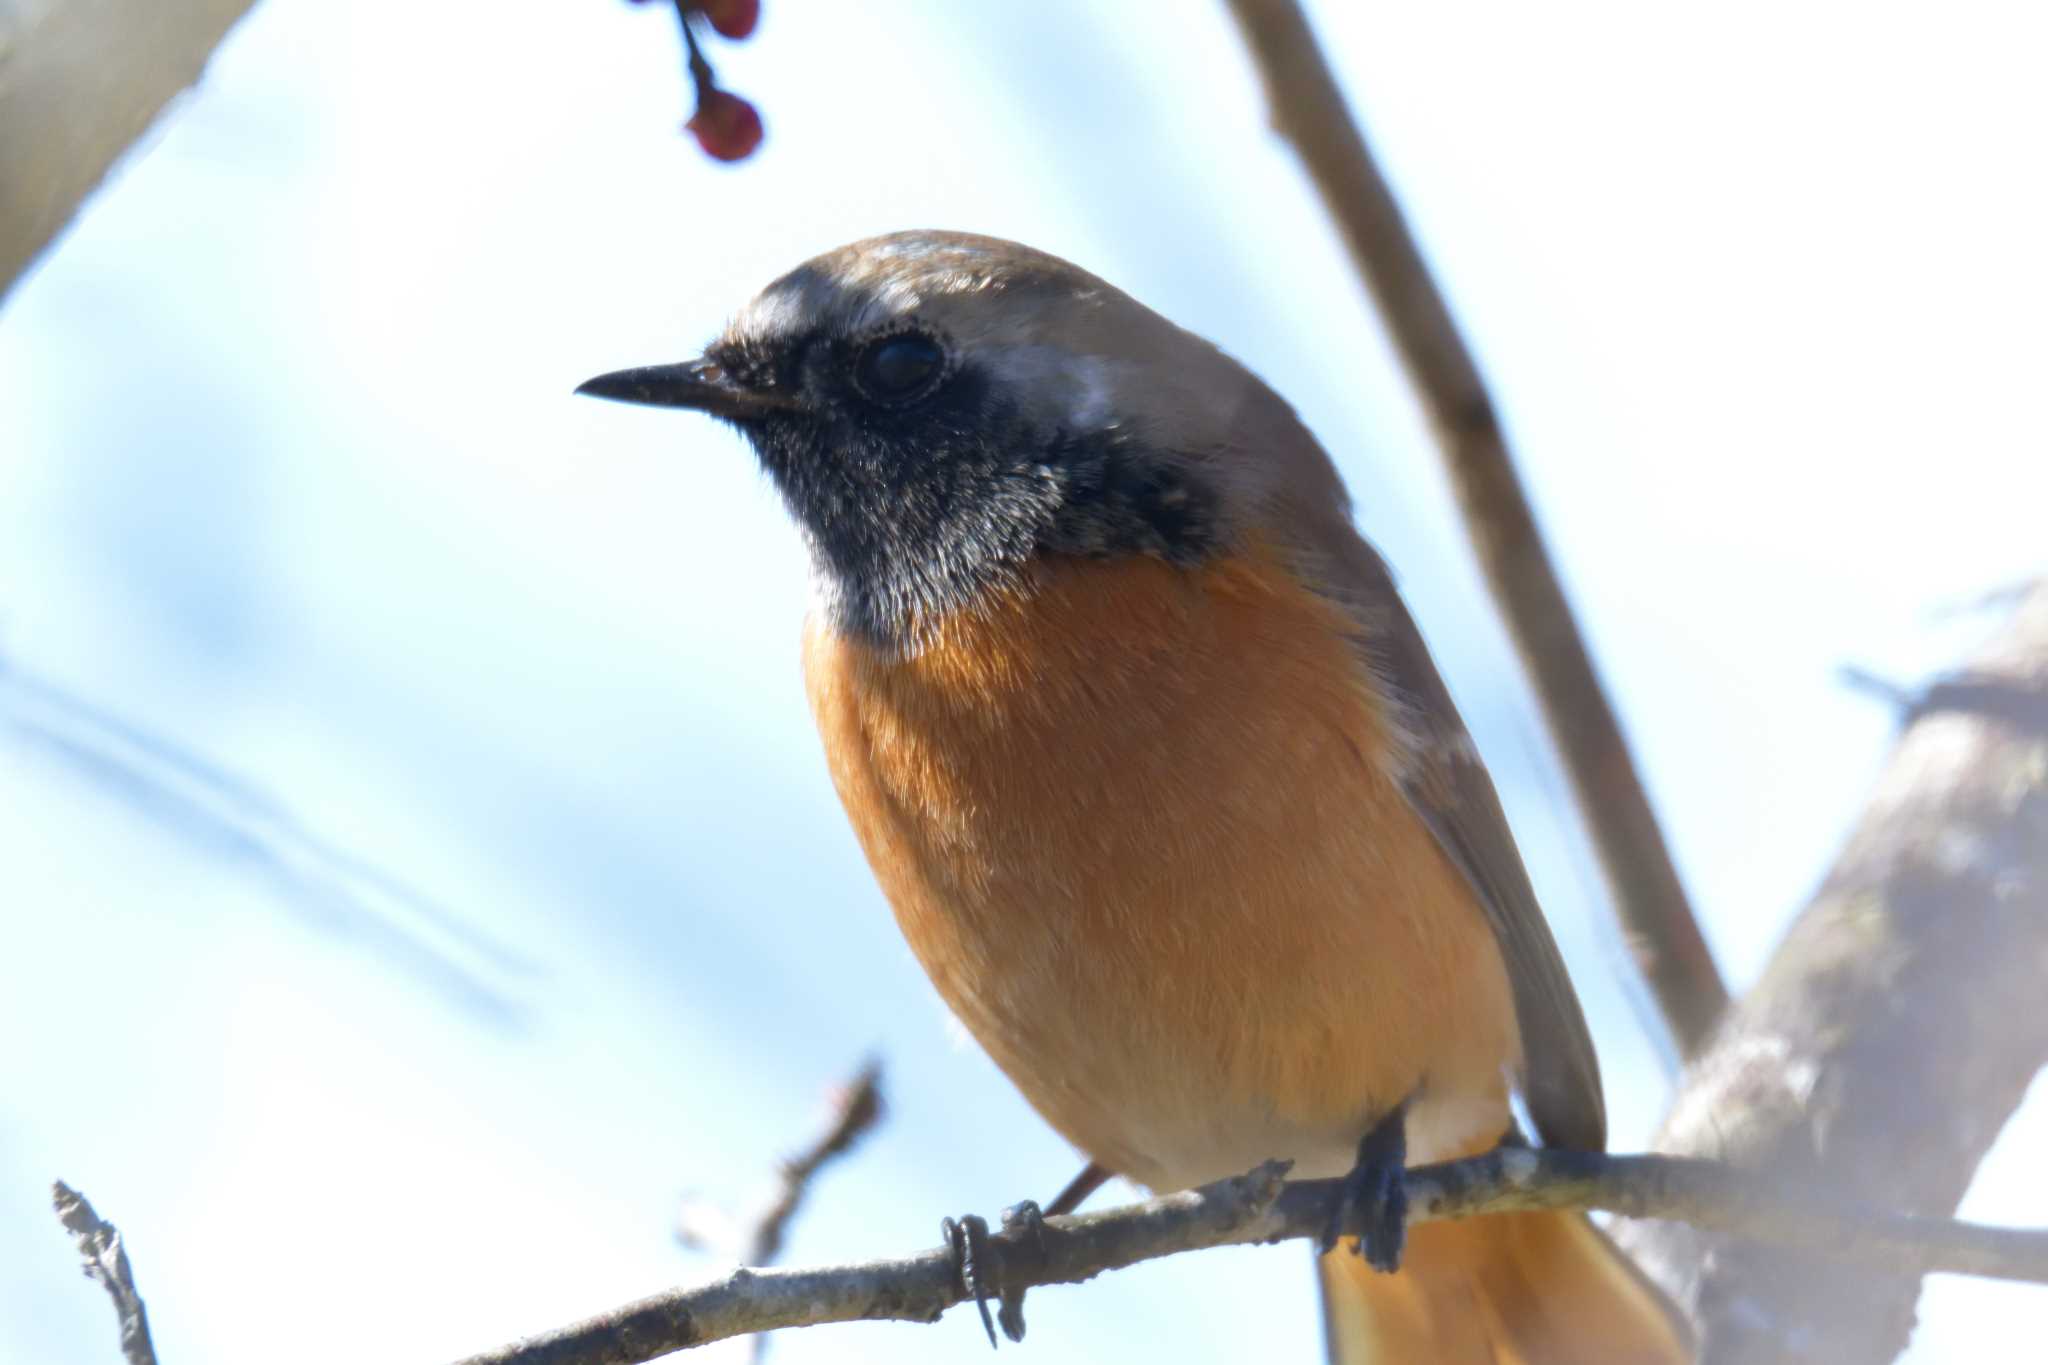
pixel 1158 776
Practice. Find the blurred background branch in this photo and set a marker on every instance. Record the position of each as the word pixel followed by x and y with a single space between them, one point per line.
pixel 1896 1029
pixel 1309 110
pixel 852 1111
pixel 80 81
pixel 226 816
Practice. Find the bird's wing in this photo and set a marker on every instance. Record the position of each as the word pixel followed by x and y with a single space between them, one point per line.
pixel 1449 789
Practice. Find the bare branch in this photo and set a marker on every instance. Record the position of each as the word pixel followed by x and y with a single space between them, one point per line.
pixel 853 1110
pixel 1309 111
pixel 1261 1207
pixel 106 1260
pixel 856 1108
pixel 1896 1028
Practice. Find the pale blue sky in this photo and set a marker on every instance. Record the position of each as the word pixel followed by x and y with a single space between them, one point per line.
pixel 419 865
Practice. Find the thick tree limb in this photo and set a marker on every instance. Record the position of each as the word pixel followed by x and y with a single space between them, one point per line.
pixel 1895 1030
pixel 1260 1207
pixel 80 81
pixel 1309 111
pixel 106 1260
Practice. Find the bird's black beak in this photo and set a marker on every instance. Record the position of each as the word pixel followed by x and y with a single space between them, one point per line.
pixel 702 384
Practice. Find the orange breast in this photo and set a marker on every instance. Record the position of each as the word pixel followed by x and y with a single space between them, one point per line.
pixel 1138 824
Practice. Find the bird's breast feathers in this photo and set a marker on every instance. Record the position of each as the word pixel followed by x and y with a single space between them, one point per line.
pixel 1141 825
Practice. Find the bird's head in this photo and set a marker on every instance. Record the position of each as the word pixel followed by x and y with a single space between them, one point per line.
pixel 940 409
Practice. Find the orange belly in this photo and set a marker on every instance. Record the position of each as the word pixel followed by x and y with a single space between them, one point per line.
pixel 1140 826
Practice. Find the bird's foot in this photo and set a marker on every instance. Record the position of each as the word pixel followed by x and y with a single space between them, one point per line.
pixel 973 1260
pixel 1374 1196
pixel 1025 1218
pixel 979 1262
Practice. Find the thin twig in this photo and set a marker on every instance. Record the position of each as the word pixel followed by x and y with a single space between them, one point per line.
pixel 700 69
pixel 1309 111
pixel 1261 1207
pixel 1893 694
pixel 106 1260
pixel 855 1108
pixel 2019 706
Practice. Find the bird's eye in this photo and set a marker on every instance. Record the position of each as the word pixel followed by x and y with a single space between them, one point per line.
pixel 900 368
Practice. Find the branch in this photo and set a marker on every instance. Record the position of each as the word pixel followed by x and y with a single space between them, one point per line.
pixel 2021 706
pixel 106 1261
pixel 1896 1028
pixel 855 1108
pixel 80 81
pixel 1309 111
pixel 1261 1207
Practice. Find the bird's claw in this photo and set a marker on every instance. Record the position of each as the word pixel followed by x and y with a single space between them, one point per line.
pixel 1374 1196
pixel 1027 1219
pixel 980 1264
pixel 968 1238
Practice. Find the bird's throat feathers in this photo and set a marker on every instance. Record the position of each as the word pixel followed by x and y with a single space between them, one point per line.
pixel 940 411
pixel 908 533
pixel 1073 639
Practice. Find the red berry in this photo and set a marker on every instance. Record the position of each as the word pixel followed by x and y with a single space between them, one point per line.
pixel 733 18
pixel 727 127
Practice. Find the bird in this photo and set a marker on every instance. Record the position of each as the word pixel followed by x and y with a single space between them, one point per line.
pixel 1156 771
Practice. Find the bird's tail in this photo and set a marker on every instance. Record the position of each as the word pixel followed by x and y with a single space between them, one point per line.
pixel 1511 1289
